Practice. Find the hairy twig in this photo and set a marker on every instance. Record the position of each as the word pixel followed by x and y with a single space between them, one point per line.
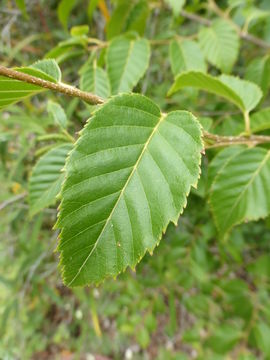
pixel 213 140
pixel 59 87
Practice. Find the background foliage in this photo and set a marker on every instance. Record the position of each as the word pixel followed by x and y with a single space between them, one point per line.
pixel 203 295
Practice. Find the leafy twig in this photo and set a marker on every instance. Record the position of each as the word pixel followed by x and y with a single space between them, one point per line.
pixel 213 140
pixel 59 87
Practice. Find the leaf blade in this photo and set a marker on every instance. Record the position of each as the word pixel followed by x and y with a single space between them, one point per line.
pixel 46 178
pixel 12 91
pixel 116 216
pixel 186 55
pixel 220 44
pixel 236 192
pixel 127 61
pixel 244 94
pixel 95 80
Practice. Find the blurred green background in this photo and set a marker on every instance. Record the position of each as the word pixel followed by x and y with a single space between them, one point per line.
pixel 197 297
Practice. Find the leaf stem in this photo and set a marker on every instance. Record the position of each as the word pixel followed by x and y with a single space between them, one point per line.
pixel 68 136
pixel 59 87
pixel 247 122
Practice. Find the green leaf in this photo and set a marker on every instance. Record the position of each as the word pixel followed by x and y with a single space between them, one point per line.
pixel 220 161
pixel 241 189
pixel 206 122
pixel 95 80
pixel 258 71
pixel 21 5
pixel 91 8
pixel 252 14
pixel 260 268
pixel 48 67
pixel 176 5
pixel 220 44
pixel 46 179
pixel 250 93
pixel 260 120
pixel 119 18
pixel 12 91
pixel 128 16
pixel 58 113
pixel 224 338
pixel 143 337
pixel 138 17
pixel 63 11
pixel 127 61
pixel 244 94
pixel 80 30
pixel 261 333
pixel 110 214
pixel 186 55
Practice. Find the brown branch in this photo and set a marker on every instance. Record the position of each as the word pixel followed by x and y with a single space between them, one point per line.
pixel 213 140
pixel 194 17
pixel 59 87
pixel 243 35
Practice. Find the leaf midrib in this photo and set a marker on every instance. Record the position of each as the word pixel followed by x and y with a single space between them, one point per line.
pixel 267 156
pixel 162 117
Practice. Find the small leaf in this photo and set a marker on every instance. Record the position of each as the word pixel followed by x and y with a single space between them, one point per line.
pixel 91 8
pixel 48 67
pixel 224 338
pixel 143 337
pixel 176 5
pixel 79 30
pixel 95 80
pixel 245 95
pixel 46 179
pixel 258 71
pixel 186 55
pixel 12 91
pixel 261 333
pixel 63 11
pixel 21 5
pixel 119 17
pixel 206 122
pixel 137 18
pixel 241 189
pixel 220 161
pixel 127 61
pixel 128 16
pixel 260 120
pixel 57 113
pixel 220 44
pixel 110 214
pixel 250 93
